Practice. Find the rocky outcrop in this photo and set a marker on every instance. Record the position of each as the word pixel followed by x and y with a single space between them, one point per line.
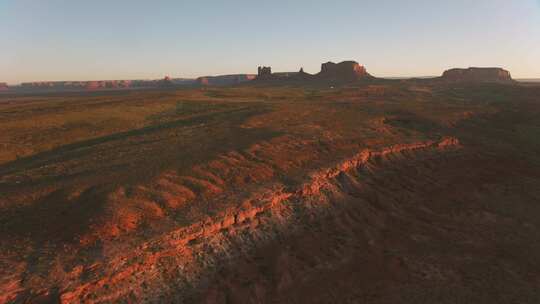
pixel 477 75
pixel 265 74
pixel 224 80
pixel 3 86
pixel 264 215
pixel 346 70
pixel 264 71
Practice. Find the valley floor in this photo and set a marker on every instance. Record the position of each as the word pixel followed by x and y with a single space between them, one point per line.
pixel 390 192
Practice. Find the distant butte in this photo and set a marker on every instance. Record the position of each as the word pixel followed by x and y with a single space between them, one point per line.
pixel 344 71
pixel 477 75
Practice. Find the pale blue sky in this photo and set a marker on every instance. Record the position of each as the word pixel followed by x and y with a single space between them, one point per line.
pixel 83 40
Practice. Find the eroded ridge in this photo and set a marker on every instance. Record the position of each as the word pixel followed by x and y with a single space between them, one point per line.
pixel 176 262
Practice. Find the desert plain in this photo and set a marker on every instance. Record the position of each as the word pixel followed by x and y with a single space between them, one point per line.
pixel 367 191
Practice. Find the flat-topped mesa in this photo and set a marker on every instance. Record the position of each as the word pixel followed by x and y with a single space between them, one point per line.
pixel 477 75
pixel 345 70
pixel 224 80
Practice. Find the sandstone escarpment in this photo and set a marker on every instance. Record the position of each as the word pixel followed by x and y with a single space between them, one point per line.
pixel 346 70
pixel 170 264
pixel 477 75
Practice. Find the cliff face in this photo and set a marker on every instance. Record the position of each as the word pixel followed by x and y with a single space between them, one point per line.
pixel 346 70
pixel 477 75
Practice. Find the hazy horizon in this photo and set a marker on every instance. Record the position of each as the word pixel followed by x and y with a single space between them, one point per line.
pixel 62 40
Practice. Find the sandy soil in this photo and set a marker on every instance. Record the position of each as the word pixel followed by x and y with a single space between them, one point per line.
pixel 387 192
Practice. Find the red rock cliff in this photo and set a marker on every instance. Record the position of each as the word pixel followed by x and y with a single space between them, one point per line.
pixel 346 70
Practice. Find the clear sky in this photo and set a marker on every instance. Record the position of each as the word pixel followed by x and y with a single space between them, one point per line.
pixel 121 39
